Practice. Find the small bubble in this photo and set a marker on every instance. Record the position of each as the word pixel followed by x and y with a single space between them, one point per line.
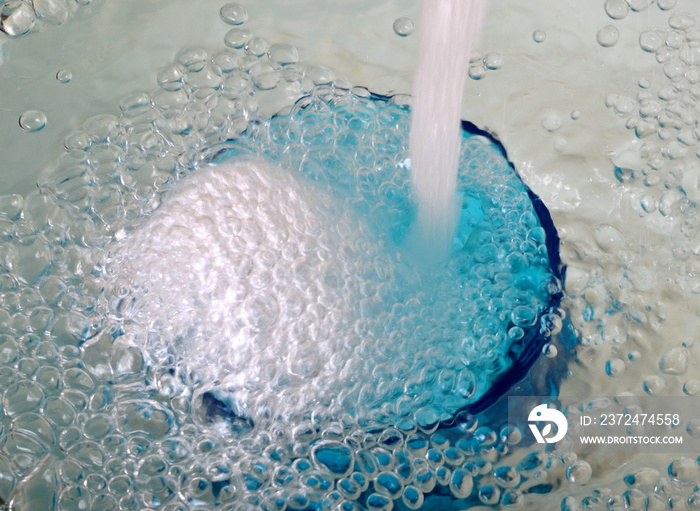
pixel 666 5
pixel 539 36
pixel 576 115
pixel 551 122
pixel 650 41
pixel 477 71
pixel 237 37
pixel 675 361
pixel 32 120
pixel 403 27
pixel 233 14
pixel 639 5
pixel 580 473
pixel 607 36
pixel 64 76
pixel 549 350
pixel 654 385
pixel 614 367
pixel 493 60
pixel 681 21
pixel 634 355
pixel 617 9
pixel 692 387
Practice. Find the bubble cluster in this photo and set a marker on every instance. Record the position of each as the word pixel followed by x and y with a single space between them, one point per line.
pixel 260 351
pixel 480 66
pixel 18 18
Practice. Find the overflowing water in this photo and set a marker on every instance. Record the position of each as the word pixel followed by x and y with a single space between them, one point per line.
pixel 448 30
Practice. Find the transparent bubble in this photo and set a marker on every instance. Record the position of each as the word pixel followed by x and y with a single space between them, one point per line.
pixel 477 71
pixel 32 121
pixel 18 18
pixel 607 36
pixel 639 5
pixel 654 385
pixel 666 5
pixel 233 14
pixel 579 473
pixel 54 12
pixel 403 27
pixel 615 367
pixel 685 470
pixel 675 361
pixel 650 41
pixel 237 37
pixel 64 76
pixel 682 21
pixel 692 387
pixel 617 9
pixel 539 36
pixel 493 60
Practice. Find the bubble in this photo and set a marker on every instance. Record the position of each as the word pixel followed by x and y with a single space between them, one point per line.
pixel 685 470
pixel 692 387
pixel 539 36
pixel 477 71
pixel 666 5
pixel 233 14
pixel 238 37
pixel 675 361
pixel 579 473
pixel 639 5
pixel 32 121
pixel 283 53
pixel 654 385
pixel 575 115
pixel 550 351
pixel 617 9
pixel 493 60
pixel 682 21
pixel 650 41
pixel 607 36
pixel 54 12
pixel 18 18
pixel 64 76
pixel 403 27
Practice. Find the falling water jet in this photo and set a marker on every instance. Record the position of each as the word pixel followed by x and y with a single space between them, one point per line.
pixel 448 29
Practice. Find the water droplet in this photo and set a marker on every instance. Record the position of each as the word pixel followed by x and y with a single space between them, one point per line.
pixel 617 9
pixel 539 36
pixel 576 115
pixel 233 14
pixel 403 27
pixel 650 41
pixel 607 36
pixel 32 120
pixel 64 76
pixel 685 470
pixel 493 60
